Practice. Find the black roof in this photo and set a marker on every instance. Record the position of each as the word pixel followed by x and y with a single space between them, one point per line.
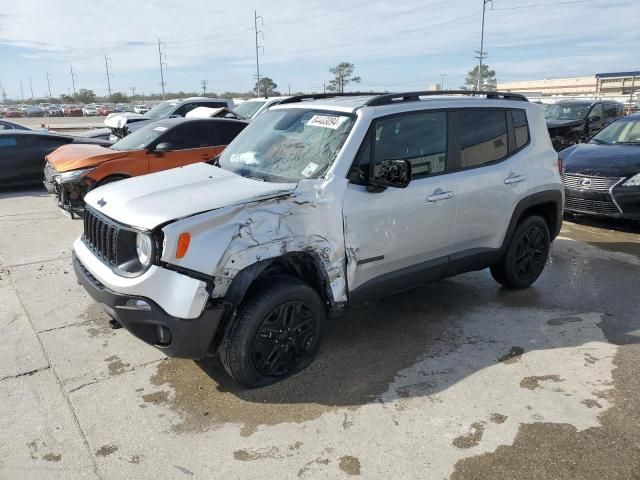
pixel 33 133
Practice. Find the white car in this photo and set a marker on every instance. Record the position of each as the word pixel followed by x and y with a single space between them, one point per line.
pixel 251 108
pixel 89 111
pixel 316 206
pixel 140 109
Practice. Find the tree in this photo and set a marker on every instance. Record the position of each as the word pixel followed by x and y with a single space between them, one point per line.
pixel 488 79
pixel 266 87
pixel 118 97
pixel 64 98
pixel 342 76
pixel 85 96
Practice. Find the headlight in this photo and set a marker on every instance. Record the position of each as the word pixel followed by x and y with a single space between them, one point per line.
pixel 144 248
pixel 633 181
pixel 73 175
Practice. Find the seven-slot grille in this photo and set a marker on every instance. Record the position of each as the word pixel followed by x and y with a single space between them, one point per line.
pixel 101 236
pixel 584 205
pixel 594 184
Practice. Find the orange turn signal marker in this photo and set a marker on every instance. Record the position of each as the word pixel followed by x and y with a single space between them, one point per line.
pixel 183 244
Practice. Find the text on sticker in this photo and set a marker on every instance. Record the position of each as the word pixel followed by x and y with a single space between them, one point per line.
pixel 326 121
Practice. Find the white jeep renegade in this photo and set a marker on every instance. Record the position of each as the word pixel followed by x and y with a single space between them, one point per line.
pixel 321 203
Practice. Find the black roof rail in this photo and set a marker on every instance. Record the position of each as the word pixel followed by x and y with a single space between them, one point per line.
pixel 318 96
pixel 389 98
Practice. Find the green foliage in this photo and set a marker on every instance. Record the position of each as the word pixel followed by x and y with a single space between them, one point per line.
pixel 266 88
pixel 118 97
pixel 342 76
pixel 488 79
pixel 85 96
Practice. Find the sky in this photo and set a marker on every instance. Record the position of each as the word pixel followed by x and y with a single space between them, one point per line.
pixel 395 45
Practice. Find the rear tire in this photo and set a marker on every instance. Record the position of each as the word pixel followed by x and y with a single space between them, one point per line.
pixel 526 254
pixel 276 333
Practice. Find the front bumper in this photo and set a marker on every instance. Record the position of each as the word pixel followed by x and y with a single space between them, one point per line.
pixel 70 195
pixel 174 336
pixel 601 196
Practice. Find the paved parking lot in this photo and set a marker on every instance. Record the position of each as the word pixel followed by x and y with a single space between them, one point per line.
pixel 457 379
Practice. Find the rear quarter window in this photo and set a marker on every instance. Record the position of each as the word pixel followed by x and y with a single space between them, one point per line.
pixel 520 127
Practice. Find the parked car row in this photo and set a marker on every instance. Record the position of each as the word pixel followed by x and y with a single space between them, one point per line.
pixel 53 110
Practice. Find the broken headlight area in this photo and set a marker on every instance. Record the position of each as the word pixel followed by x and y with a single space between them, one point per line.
pixel 70 189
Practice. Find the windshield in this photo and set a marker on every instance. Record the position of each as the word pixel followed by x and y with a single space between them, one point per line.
pixel 140 139
pixel 248 109
pixel 620 132
pixel 567 111
pixel 288 145
pixel 161 110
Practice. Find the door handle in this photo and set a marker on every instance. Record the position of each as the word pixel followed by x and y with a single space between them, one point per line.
pixel 440 195
pixel 513 178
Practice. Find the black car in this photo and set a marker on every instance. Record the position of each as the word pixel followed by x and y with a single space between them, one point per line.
pixel 602 177
pixel 22 155
pixel 574 121
pixel 6 125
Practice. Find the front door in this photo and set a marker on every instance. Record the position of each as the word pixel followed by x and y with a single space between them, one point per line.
pixel 400 237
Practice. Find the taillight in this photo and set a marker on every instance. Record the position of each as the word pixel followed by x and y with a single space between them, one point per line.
pixel 559 165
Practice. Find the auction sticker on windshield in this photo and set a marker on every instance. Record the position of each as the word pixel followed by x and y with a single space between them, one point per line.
pixel 310 169
pixel 326 121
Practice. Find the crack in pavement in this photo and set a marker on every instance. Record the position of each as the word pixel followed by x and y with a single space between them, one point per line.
pixel 25 374
pixel 38 261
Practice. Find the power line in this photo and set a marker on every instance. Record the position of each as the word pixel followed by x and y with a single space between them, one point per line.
pixel 107 66
pixel 162 64
pixel 538 5
pixel 333 12
pixel 258 47
pixel 204 87
pixel 74 78
pixel 482 54
pixel 49 84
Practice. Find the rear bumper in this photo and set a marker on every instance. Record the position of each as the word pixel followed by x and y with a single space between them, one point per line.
pixel 145 319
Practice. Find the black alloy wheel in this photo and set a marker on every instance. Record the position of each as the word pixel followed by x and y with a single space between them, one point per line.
pixel 276 332
pixel 526 254
pixel 286 337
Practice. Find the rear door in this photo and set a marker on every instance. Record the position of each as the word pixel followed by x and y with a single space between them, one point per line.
pixel 491 176
pixel 11 159
pixel 190 142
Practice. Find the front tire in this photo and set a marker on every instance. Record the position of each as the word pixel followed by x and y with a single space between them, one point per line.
pixel 526 254
pixel 276 333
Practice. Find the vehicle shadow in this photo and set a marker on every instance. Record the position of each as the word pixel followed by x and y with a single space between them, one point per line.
pixel 620 225
pixel 435 336
pixel 14 192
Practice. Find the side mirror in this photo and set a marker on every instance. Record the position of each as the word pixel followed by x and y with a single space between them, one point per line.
pixel 391 173
pixel 595 118
pixel 163 147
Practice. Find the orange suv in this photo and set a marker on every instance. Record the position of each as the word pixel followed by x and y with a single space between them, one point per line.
pixel 73 170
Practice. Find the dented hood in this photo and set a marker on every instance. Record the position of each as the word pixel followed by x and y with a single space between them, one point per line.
pixel 119 120
pixel 79 155
pixel 151 200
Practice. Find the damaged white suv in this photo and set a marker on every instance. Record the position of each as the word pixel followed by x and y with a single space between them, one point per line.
pixel 321 203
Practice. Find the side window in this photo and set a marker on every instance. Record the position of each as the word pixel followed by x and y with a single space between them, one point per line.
pixel 610 111
pixel 213 104
pixel 4 126
pixel 8 142
pixel 190 135
pixel 483 137
pixel 520 127
pixel 227 131
pixel 420 138
pixel 596 111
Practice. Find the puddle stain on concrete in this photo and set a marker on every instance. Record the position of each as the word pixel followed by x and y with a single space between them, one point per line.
pixel 106 450
pixel 115 365
pixel 248 455
pixel 558 321
pixel 591 403
pixel 307 466
pixel 532 383
pixel 498 418
pixel 559 450
pixel 472 439
pixel 350 465
pixel 52 457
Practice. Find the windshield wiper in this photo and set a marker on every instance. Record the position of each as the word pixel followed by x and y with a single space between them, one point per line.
pixel 600 142
pixel 629 143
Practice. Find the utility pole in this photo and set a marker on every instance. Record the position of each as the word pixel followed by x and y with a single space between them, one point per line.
pixel 3 94
pixel 49 84
pixel 162 45
pixel 21 92
pixel 442 77
pixel 258 47
pixel 74 78
pixel 107 66
pixel 482 54
pixel 133 92
pixel 204 87
pixel 31 88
